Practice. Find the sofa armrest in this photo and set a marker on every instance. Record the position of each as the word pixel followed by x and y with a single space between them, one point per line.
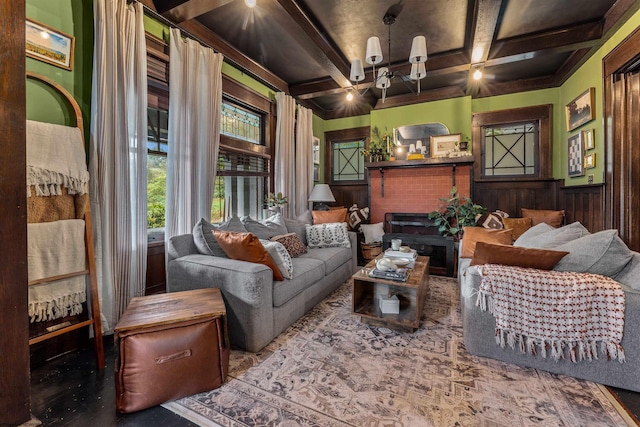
pixel 247 289
pixel 353 239
pixel 181 245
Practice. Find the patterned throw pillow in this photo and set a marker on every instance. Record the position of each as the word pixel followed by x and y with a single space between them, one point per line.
pixel 291 243
pixel 491 220
pixel 281 257
pixel 329 235
pixel 357 216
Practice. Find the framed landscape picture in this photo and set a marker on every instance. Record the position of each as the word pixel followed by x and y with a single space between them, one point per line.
pixel 48 45
pixel 442 145
pixel 581 110
pixel 576 155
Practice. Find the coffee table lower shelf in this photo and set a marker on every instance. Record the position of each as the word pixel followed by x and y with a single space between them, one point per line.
pixel 412 293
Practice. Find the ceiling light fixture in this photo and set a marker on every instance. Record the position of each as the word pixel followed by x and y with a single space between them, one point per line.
pixel 349 96
pixel 477 74
pixel 382 80
pixel 251 3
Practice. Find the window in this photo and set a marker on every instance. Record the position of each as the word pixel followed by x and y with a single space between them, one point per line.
pixel 348 161
pixel 513 143
pixel 241 123
pixel 157 146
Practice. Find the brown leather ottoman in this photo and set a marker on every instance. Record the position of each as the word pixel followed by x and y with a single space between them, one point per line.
pixel 170 346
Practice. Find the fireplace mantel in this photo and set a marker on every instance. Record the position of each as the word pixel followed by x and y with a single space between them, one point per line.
pixel 424 163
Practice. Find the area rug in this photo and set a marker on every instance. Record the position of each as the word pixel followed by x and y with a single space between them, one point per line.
pixel 330 369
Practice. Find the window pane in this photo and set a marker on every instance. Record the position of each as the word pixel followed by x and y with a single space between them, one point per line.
pixel 156 188
pixel 348 161
pixel 157 130
pixel 510 150
pixel 240 123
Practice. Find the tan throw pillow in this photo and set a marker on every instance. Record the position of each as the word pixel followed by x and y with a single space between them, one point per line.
pixel 292 243
pixel 543 259
pixel 246 247
pixel 473 235
pixel 553 218
pixel 332 215
pixel 518 225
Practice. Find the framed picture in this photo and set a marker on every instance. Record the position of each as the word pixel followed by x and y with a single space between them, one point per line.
pixel 48 45
pixel 587 137
pixel 443 145
pixel 581 110
pixel 316 150
pixel 590 161
pixel 576 155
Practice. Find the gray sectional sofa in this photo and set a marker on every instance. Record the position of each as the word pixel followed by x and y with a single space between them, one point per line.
pixel 596 253
pixel 259 308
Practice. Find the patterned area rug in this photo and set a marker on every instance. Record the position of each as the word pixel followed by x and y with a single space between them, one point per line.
pixel 329 369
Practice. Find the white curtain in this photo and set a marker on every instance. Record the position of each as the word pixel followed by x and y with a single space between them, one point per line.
pixel 304 160
pixel 118 155
pixel 195 99
pixel 284 161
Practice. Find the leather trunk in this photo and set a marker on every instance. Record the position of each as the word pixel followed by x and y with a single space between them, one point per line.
pixel 166 362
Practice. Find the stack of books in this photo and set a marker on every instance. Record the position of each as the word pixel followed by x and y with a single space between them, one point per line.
pixel 401 274
pixel 411 255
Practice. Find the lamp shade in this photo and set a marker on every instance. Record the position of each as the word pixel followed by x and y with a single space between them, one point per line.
pixel 374 51
pixel 418 71
pixel 321 193
pixel 383 81
pixel 357 72
pixel 418 53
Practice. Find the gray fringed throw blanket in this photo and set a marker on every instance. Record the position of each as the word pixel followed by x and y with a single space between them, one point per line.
pixel 553 311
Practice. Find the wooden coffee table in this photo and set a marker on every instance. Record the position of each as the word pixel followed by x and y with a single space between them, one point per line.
pixel 412 294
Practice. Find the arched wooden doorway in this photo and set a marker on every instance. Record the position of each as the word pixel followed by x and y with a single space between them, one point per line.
pixel 622 139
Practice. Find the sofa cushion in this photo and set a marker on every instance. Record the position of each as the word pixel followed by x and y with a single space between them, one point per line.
pixel 291 243
pixel 203 236
pixel 265 228
pixel 518 225
pixel 543 259
pixel 553 237
pixel 307 271
pixel 357 216
pixel 330 216
pixel 328 235
pixel 372 232
pixel 246 247
pixel 553 218
pixel 305 217
pixel 331 257
pixel 298 227
pixel 280 256
pixel 600 253
pixel 473 235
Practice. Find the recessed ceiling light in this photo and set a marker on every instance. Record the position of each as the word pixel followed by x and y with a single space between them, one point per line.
pixel 349 96
pixel 477 74
pixel 250 3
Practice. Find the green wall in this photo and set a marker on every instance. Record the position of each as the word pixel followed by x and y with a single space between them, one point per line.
pixel 75 18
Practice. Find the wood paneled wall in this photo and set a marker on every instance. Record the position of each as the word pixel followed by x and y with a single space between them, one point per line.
pixel 347 195
pixel 584 203
pixel 512 196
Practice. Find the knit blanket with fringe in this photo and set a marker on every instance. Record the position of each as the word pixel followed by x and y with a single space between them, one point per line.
pixel 554 313
pixel 55 157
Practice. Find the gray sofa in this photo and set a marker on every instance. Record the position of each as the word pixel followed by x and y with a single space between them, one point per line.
pixel 259 308
pixel 479 326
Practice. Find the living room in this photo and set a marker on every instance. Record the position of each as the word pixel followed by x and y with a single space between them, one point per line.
pixel 584 197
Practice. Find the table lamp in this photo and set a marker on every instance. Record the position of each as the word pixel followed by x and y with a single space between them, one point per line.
pixel 321 194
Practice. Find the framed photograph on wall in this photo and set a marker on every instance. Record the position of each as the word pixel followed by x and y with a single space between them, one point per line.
pixel 590 161
pixel 581 110
pixel 316 150
pixel 48 45
pixel 576 155
pixel 443 145
pixel 588 138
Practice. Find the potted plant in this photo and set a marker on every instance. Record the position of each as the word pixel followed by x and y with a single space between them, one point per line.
pixel 274 201
pixel 455 213
pixel 377 150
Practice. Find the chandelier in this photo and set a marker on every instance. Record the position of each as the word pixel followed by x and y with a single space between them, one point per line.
pixel 373 56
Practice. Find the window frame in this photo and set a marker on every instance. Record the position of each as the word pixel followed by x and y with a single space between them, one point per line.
pixel 542 114
pixel 340 136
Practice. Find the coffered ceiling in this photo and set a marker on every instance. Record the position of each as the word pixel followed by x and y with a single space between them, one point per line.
pixel 305 47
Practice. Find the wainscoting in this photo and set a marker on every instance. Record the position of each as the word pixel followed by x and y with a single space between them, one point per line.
pixel 512 196
pixel 584 203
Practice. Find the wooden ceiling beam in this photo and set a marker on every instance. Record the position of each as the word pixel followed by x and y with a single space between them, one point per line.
pixel 180 10
pixel 485 21
pixel 523 85
pixel 423 96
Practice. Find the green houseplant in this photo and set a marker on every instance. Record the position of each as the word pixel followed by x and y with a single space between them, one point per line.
pixel 378 144
pixel 455 213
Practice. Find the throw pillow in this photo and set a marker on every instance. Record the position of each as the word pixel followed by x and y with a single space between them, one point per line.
pixel 246 247
pixel 357 216
pixel 518 225
pixel 203 237
pixel 492 220
pixel 543 259
pixel 372 232
pixel 473 235
pixel 280 256
pixel 332 215
pixel 298 227
pixel 328 235
pixel 554 237
pixel 534 231
pixel 292 243
pixel 599 253
pixel 305 217
pixel 265 228
pixel 553 218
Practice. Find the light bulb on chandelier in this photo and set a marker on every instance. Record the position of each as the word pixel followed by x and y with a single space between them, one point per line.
pixel 382 80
